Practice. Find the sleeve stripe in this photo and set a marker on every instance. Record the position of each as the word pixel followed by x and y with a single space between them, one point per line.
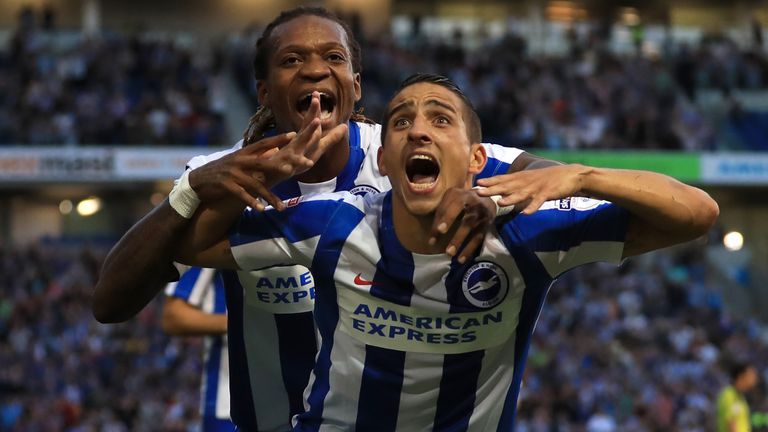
pixel 202 284
pixel 553 230
pixel 558 262
pixel 502 153
pixel 263 253
pixel 186 285
pixel 307 218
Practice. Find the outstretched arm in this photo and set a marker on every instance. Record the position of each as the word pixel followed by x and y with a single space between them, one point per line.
pixel 664 211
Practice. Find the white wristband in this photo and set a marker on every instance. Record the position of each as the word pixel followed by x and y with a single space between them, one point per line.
pixel 183 198
pixel 500 211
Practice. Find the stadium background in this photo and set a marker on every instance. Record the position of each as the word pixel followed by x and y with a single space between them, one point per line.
pixel 102 102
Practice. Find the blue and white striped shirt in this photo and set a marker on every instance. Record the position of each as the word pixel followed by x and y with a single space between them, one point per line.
pixel 419 342
pixel 204 289
pixel 272 337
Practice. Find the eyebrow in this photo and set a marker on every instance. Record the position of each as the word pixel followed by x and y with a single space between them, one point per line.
pixel 442 105
pixel 429 102
pixel 304 48
pixel 401 106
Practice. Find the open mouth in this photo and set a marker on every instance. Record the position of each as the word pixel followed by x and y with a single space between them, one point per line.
pixel 327 104
pixel 422 171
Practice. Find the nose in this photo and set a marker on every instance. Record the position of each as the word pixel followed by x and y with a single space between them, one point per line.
pixel 315 68
pixel 418 133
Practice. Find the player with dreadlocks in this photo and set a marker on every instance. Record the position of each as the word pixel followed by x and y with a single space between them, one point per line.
pixel 307 65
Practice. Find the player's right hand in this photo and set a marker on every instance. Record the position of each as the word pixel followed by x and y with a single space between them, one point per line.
pixel 250 172
pixel 467 216
pixel 233 174
pixel 306 147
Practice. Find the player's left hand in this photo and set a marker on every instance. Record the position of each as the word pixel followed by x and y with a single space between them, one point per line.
pixel 472 213
pixel 529 189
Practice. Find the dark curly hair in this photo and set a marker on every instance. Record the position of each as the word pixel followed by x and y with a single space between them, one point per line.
pixel 263 119
pixel 264 46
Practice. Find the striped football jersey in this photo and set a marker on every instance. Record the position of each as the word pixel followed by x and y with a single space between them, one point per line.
pixel 272 337
pixel 420 342
pixel 204 289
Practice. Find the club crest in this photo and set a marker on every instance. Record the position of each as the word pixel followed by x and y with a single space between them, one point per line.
pixel 485 284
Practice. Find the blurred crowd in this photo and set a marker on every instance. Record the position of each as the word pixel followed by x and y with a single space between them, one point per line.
pixel 586 98
pixel 646 347
pixel 60 370
pixel 65 89
pixel 140 89
pixel 641 348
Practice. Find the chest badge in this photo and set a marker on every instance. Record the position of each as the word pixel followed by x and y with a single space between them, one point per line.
pixel 485 284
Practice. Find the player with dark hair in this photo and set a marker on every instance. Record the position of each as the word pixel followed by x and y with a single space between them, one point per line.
pixel 732 408
pixel 307 59
pixel 412 338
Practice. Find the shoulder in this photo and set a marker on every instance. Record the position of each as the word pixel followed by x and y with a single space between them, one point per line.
pixel 502 153
pixel 330 205
pixel 195 279
pixel 728 395
pixel 370 135
pixel 329 199
pixel 373 201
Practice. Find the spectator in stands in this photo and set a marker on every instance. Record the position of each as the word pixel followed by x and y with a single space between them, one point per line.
pixel 107 90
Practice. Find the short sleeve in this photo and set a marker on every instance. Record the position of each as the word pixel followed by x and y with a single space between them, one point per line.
pixel 570 232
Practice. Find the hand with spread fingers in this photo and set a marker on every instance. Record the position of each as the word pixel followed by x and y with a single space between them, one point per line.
pixel 465 217
pixel 249 173
pixel 529 189
pixel 233 174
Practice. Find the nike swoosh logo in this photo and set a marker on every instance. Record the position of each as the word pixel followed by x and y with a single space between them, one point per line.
pixel 360 281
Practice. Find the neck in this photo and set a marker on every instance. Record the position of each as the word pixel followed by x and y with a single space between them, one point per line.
pixel 330 164
pixel 414 231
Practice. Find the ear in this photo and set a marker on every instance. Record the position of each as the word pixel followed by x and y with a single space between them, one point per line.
pixel 380 160
pixel 477 158
pixel 358 88
pixel 261 93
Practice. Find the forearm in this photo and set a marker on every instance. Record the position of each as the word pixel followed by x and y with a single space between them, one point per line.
pixel 138 266
pixel 657 199
pixel 201 243
pixel 182 319
pixel 666 209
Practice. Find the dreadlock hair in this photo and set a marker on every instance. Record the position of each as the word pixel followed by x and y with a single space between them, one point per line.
pixel 264 47
pixel 264 119
pixel 474 130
